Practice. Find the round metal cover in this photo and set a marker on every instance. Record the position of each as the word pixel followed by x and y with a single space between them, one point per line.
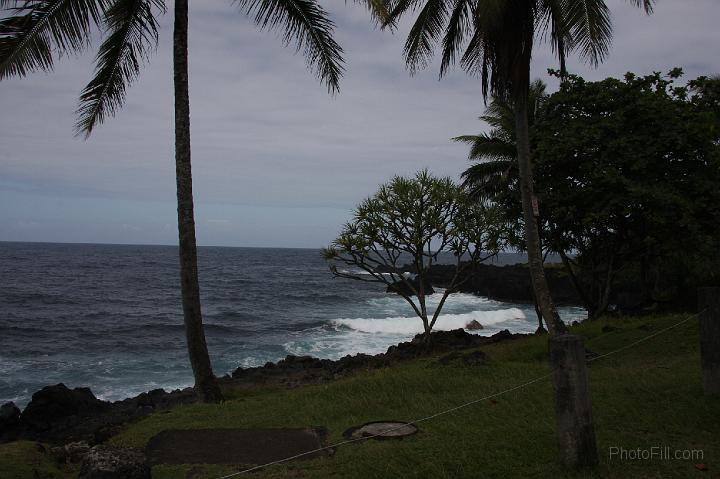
pixel 382 430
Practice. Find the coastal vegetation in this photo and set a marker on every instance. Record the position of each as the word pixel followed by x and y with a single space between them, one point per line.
pixel 617 177
pixel 414 221
pixel 495 40
pixel 649 394
pixel 625 184
pixel 627 173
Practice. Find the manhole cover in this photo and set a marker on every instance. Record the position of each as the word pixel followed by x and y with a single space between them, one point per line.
pixel 381 430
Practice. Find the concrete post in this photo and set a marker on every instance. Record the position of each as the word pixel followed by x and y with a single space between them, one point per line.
pixel 709 307
pixel 575 430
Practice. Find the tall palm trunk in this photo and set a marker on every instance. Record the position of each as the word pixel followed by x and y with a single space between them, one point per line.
pixel 532 237
pixel 206 385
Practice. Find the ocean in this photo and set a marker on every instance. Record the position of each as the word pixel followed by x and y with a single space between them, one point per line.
pixel 109 316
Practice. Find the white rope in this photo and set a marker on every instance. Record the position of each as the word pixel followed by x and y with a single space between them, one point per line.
pixel 447 411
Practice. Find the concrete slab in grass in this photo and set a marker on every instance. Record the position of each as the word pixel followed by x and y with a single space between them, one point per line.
pixel 232 446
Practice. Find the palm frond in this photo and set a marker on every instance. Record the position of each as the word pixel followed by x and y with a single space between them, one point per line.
pixel 40 28
pixel 132 34
pixel 489 147
pixel 591 28
pixel 398 8
pixel 553 17
pixel 459 26
pixel 379 10
pixel 646 5
pixel 305 23
pixel 487 168
pixel 487 180
pixel 500 115
pixel 495 152
pixel 471 60
pixel 424 34
pixel 469 139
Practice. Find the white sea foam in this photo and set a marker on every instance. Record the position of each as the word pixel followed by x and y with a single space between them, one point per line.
pixel 342 344
pixel 407 325
pixel 362 272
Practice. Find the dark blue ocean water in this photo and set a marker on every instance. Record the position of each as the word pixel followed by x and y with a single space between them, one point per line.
pixel 109 316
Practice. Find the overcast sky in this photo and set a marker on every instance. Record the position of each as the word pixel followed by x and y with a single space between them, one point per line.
pixel 277 161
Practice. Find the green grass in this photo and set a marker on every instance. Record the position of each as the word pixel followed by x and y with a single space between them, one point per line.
pixel 26 460
pixel 648 395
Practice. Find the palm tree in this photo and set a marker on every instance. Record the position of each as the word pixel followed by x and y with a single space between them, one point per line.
pixel 495 152
pixel 32 32
pixel 494 39
pixel 494 176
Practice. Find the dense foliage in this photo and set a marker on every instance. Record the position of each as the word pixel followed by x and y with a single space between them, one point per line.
pixel 627 174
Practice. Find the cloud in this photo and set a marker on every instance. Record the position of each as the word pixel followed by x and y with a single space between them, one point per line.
pixel 265 133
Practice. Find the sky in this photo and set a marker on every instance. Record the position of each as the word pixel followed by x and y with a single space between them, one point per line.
pixel 277 162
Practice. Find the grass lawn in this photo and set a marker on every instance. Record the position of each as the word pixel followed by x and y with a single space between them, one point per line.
pixel 26 460
pixel 646 396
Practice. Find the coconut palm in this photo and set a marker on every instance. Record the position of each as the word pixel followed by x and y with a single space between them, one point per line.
pixel 494 39
pixel 495 152
pixel 494 176
pixel 34 32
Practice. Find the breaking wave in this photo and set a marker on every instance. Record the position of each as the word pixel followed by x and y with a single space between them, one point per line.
pixel 409 325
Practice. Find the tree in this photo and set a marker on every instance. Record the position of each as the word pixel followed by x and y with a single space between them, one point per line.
pixel 627 173
pixel 495 40
pixel 417 219
pixel 32 32
pixel 494 176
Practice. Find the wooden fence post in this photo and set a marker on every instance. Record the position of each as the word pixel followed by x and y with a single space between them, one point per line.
pixel 709 307
pixel 573 415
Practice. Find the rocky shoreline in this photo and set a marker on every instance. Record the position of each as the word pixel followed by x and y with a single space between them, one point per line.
pixel 509 283
pixel 62 416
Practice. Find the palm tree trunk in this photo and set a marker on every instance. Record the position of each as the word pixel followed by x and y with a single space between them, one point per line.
pixel 532 238
pixel 206 384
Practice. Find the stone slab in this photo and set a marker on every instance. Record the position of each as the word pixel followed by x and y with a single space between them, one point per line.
pixel 232 446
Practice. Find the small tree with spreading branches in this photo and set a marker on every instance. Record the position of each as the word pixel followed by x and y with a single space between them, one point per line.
pixel 415 219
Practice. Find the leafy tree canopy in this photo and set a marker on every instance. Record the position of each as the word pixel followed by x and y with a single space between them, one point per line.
pixel 627 172
pixel 415 219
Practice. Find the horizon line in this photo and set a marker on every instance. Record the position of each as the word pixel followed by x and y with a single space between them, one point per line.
pixel 154 244
pixel 79 243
